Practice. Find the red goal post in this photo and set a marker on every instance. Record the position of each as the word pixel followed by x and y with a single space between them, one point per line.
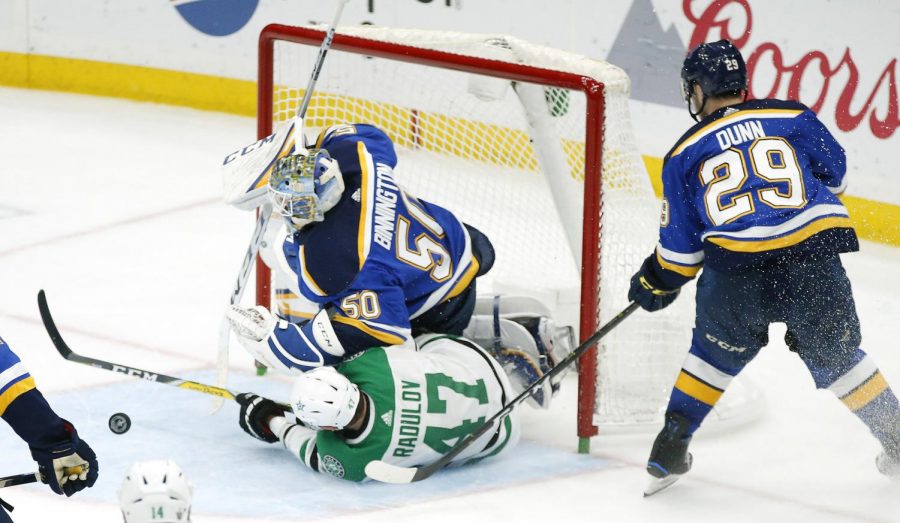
pixel 543 132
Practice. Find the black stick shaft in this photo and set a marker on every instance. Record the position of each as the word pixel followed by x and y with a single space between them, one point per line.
pixel 18 479
pixel 158 377
pixel 427 470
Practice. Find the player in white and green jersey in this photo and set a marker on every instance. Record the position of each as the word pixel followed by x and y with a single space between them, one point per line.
pixel 404 407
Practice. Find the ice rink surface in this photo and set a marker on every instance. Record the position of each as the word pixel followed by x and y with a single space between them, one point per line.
pixel 113 207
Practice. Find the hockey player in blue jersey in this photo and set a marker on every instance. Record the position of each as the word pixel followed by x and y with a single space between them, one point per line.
pixel 750 196
pixel 53 441
pixel 381 265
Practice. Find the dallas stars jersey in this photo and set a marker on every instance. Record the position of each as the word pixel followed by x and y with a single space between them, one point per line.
pixel 749 183
pixel 381 257
pixel 421 404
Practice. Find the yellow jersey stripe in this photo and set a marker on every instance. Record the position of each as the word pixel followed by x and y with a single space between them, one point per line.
pixel 285 310
pixel 307 277
pixel 16 390
pixel 734 118
pixel 684 270
pixel 865 393
pixel 697 389
pixel 785 241
pixel 388 338
pixel 464 281
pixel 365 176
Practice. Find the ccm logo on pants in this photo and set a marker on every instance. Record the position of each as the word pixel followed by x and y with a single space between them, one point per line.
pixel 723 345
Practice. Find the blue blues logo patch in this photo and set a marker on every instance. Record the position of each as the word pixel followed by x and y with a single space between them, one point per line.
pixel 216 17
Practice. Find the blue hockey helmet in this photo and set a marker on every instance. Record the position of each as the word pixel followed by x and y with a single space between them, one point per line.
pixel 717 67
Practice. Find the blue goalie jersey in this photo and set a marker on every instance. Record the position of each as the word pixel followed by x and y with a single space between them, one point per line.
pixel 749 183
pixel 381 257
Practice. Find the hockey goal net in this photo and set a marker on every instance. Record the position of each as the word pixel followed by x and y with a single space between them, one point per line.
pixel 531 145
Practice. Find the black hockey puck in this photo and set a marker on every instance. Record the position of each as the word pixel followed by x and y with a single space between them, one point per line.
pixel 119 423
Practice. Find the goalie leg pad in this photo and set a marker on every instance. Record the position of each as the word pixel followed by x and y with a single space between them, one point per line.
pixel 553 343
pixel 517 352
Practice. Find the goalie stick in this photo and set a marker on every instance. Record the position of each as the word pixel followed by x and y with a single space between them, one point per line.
pixel 67 353
pixel 265 213
pixel 387 473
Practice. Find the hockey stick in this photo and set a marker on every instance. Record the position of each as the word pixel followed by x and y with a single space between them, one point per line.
pixel 66 352
pixel 387 473
pixel 35 477
pixel 262 220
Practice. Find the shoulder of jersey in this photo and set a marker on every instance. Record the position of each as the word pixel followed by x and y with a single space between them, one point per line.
pixel 769 106
pixel 377 143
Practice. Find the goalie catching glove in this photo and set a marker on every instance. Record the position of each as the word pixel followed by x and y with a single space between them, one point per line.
pixel 284 346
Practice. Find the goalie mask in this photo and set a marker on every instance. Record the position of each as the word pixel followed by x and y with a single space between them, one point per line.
pixel 303 187
pixel 155 492
pixel 323 398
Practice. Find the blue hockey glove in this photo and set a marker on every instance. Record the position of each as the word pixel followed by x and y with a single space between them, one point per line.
pixel 69 465
pixel 647 291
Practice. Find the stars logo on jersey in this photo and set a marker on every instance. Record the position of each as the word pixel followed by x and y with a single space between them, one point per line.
pixel 331 465
pixel 356 195
pixel 388 418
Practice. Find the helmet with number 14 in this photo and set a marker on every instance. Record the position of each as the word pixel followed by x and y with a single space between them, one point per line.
pixel 156 491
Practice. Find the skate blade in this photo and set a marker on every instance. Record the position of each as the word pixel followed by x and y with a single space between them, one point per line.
pixel 658 484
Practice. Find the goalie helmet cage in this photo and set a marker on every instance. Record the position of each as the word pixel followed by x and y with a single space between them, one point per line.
pixel 528 144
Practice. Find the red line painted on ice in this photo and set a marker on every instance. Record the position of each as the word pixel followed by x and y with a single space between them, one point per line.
pixel 108 226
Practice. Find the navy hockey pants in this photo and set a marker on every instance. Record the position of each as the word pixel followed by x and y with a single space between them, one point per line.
pixel 453 315
pixel 812 297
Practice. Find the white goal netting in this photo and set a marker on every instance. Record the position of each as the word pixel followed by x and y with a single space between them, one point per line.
pixel 508 157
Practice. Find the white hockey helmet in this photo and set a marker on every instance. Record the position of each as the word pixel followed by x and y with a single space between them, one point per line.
pixel 323 398
pixel 155 492
pixel 304 186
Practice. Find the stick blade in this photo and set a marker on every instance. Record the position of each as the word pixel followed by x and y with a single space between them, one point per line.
pixel 387 473
pixel 50 326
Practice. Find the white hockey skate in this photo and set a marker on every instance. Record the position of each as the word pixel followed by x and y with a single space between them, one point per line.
pixel 669 458
pixel 888 465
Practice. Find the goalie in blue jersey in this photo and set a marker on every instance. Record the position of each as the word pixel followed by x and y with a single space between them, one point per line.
pixel 750 196
pixel 66 463
pixel 380 265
